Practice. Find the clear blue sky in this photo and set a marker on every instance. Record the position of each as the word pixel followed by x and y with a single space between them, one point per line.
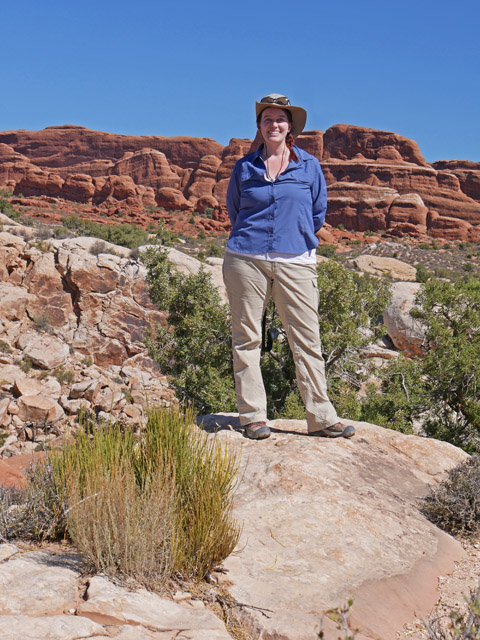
pixel 195 68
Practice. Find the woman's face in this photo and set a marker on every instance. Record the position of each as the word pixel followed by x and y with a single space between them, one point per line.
pixel 274 125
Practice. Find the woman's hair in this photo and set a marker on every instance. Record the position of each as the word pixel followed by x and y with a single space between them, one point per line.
pixel 289 140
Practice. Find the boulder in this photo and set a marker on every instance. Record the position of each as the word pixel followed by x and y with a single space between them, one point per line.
pixel 39 409
pixel 13 302
pixel 172 199
pixel 328 520
pixel 406 333
pixel 24 386
pixel 46 352
pixel 380 266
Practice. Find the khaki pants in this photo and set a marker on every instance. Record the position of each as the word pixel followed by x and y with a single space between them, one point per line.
pixel 249 284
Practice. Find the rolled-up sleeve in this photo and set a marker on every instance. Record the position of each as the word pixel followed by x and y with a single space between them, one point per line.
pixel 233 196
pixel 319 197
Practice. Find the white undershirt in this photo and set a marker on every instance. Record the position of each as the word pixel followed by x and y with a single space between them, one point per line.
pixel 307 257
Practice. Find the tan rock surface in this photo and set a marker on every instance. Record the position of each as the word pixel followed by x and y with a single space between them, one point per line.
pixel 324 520
pixel 39 409
pixel 391 267
pixel 406 333
pixel 47 352
pixel 63 627
pixel 108 604
pixel 38 583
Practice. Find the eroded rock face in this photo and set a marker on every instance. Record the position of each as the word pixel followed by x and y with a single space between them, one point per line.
pixel 377 180
pixel 325 520
pixel 69 321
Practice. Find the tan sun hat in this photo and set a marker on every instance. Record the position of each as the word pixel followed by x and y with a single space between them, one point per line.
pixel 299 115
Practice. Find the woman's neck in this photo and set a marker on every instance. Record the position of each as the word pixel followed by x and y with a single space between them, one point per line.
pixel 274 150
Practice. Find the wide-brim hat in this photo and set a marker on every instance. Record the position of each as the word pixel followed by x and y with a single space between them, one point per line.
pixel 299 115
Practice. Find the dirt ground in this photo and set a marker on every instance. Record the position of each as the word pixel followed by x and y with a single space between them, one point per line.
pixel 453 589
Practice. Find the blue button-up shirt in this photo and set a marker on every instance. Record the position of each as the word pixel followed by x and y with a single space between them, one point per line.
pixel 280 216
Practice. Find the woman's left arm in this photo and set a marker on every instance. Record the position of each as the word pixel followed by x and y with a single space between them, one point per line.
pixel 319 196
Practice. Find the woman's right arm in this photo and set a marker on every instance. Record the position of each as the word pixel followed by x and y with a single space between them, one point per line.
pixel 233 196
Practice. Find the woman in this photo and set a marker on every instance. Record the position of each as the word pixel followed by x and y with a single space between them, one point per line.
pixel 276 202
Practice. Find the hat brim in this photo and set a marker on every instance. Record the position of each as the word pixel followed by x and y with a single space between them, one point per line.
pixel 299 115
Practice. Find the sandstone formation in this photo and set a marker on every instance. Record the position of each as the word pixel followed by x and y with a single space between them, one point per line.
pixel 377 180
pixel 72 331
pixel 42 598
pixel 326 520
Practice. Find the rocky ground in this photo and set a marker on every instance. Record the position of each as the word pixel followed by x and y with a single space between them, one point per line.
pixel 323 520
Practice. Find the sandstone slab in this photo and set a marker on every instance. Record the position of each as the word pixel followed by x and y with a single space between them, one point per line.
pixel 38 583
pixel 62 627
pixel 325 520
pixel 380 266
pixel 109 604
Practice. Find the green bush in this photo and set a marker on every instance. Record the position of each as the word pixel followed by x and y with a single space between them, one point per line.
pixel 422 273
pixel 126 235
pixel 194 347
pixel 146 508
pixel 440 389
pixel 326 250
pixel 7 209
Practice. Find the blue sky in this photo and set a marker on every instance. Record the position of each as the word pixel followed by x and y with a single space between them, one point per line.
pixel 196 68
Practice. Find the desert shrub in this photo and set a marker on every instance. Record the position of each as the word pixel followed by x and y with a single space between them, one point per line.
pixel 422 273
pixel 7 209
pixel 194 348
pixel 25 364
pixel 42 322
pixel 326 250
pixel 97 248
pixel 440 389
pixel 5 347
pixel 396 404
pixel 146 508
pixel 126 235
pixel 451 364
pixel 63 375
pixel 455 504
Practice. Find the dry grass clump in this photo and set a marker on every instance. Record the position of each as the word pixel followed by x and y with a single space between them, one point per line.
pixel 147 508
pixel 455 504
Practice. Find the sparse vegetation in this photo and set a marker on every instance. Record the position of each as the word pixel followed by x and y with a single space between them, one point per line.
pixel 126 235
pixel 63 375
pixel 146 508
pixel 194 348
pixel 455 504
pixel 5 347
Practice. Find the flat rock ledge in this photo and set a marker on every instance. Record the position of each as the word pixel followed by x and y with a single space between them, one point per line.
pixel 41 599
pixel 325 520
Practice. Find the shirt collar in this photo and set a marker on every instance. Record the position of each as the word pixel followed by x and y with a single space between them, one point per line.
pixel 258 154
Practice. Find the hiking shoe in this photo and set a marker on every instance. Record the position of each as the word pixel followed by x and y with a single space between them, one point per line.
pixel 337 430
pixel 257 430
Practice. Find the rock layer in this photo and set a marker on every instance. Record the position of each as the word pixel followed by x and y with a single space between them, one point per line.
pixel 325 520
pixel 378 180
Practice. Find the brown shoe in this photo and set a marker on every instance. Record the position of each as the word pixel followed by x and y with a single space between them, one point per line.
pixel 337 430
pixel 257 431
